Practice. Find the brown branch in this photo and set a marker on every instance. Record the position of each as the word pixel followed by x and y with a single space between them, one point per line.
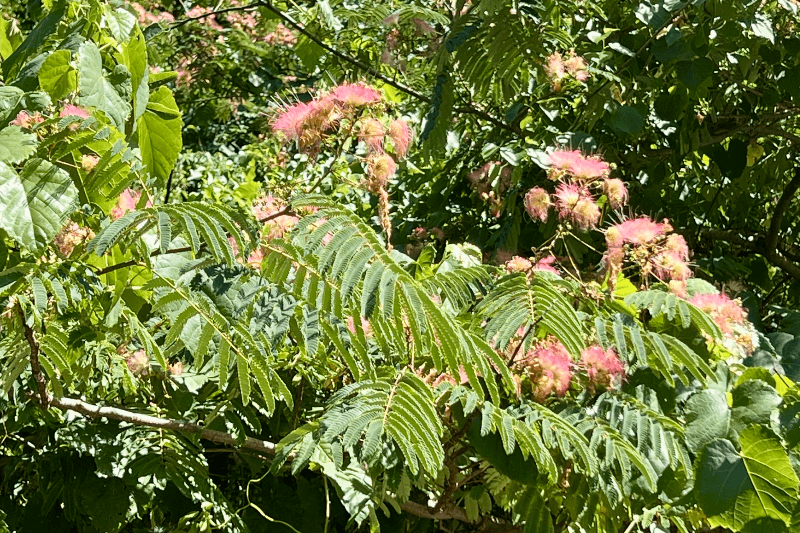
pixel 771 240
pixel 133 262
pixel 36 368
pixel 96 411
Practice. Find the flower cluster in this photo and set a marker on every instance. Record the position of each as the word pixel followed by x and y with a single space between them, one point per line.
pixel 604 367
pixel 481 180
pixel 573 199
pixel 26 120
pixel 521 264
pixel 725 312
pixel 653 248
pixel 351 110
pixel 560 70
pixel 72 236
pixel 548 367
pixel 146 18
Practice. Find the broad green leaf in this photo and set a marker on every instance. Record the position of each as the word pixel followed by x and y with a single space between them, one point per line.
pixel 119 22
pixel 16 145
pixel 753 403
pixel 134 57
pixel 628 120
pixel 159 134
pixel 694 73
pixel 32 42
pixel 734 488
pixel 707 419
pixel 96 89
pixel 34 203
pixel 56 76
pixel 539 519
pixel 6 48
pixel 10 98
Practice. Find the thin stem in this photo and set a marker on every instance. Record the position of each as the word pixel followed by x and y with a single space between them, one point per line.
pixel 327 504
pixel 36 368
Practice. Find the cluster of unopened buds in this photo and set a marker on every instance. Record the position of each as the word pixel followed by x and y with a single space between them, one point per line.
pixel 491 182
pixel 351 110
pixel 547 369
pixel 72 236
pixel 560 70
pixel 29 121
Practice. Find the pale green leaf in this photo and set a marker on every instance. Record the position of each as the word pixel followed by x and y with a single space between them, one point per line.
pixel 16 145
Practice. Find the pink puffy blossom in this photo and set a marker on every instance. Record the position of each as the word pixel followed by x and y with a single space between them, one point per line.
pixel 26 120
pixel 640 230
pixel 380 167
pixel 549 366
pixel 355 95
pixel 564 159
pixel 71 236
pixel 371 134
pixel 676 244
pixel 545 264
pixel 175 369
pixel 365 325
pixel 74 111
pixel 604 367
pixel 291 122
pixel 555 70
pixel 277 226
pixel 138 363
pixel 537 203
pixel 724 311
pixel 576 67
pixel 616 192
pixel 88 162
pixel 574 203
pixel 208 20
pixel 670 266
pixel 401 137
pixel 589 168
pixel 518 264
pixel 423 27
pixel 127 202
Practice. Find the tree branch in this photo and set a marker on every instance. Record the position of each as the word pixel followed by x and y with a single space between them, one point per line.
pixel 36 368
pixel 133 262
pixel 96 411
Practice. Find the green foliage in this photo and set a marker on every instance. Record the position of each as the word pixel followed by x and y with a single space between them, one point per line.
pixel 208 325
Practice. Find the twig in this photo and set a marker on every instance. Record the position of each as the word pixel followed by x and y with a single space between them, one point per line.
pixel 36 367
pixel 96 411
pixel 132 262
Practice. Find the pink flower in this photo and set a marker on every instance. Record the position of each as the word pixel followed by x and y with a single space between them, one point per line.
pixel 423 27
pixel 616 192
pixel 365 325
pixel 355 95
pixel 138 363
pixel 518 264
pixel 88 162
pixel 127 202
pixel 380 167
pixel 604 367
pixel 564 159
pixel 549 366
pixel 589 168
pixel 676 244
pixel 545 264
pixel 276 227
pixel 555 70
pixel 574 203
pixel 400 135
pixel 576 67
pixel 175 369
pixel 70 237
pixel 724 311
pixel 27 121
pixel 537 203
pixel 74 111
pixel 669 265
pixel 641 230
pixel 290 123
pixel 371 134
